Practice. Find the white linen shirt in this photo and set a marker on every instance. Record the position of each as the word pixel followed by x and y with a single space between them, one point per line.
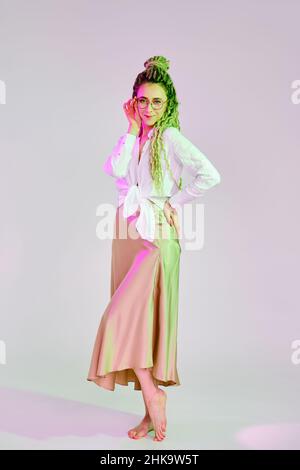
pixel 134 182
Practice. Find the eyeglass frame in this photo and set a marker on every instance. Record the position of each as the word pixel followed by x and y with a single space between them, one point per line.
pixel 148 101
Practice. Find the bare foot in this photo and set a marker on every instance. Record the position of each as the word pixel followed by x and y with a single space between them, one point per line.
pixel 157 410
pixel 141 429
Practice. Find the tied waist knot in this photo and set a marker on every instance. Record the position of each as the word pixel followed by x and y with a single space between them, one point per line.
pixel 145 223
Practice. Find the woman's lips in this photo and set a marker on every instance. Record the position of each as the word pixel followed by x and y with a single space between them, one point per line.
pixel 148 116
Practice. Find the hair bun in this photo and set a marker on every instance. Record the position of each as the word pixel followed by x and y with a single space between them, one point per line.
pixel 157 61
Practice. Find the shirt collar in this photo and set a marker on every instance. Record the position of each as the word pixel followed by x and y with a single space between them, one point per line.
pixel 151 132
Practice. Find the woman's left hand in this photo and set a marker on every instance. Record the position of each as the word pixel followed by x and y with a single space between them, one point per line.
pixel 171 216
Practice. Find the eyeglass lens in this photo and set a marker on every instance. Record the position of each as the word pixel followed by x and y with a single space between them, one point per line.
pixel 156 103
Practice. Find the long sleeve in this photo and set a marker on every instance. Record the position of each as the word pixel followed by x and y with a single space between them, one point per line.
pixel 118 161
pixel 205 174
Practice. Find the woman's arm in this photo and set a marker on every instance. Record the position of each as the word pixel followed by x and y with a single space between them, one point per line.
pixel 117 163
pixel 205 174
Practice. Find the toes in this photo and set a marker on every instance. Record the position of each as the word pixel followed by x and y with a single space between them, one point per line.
pixel 159 436
pixel 137 434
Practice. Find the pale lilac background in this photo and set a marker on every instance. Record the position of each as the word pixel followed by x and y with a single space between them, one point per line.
pixel 68 67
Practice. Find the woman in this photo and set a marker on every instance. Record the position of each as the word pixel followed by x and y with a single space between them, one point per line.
pixel 137 336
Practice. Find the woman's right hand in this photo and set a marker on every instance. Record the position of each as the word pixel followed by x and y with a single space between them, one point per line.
pixel 132 113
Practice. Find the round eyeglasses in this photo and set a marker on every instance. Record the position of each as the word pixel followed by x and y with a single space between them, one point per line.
pixel 156 103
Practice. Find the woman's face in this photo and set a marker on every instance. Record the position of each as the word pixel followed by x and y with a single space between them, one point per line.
pixel 154 93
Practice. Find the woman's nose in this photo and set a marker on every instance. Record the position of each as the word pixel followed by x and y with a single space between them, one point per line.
pixel 149 107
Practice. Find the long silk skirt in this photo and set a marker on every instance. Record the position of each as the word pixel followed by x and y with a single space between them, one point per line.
pixel 138 328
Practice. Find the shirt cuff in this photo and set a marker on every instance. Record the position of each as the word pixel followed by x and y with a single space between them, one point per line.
pixel 129 136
